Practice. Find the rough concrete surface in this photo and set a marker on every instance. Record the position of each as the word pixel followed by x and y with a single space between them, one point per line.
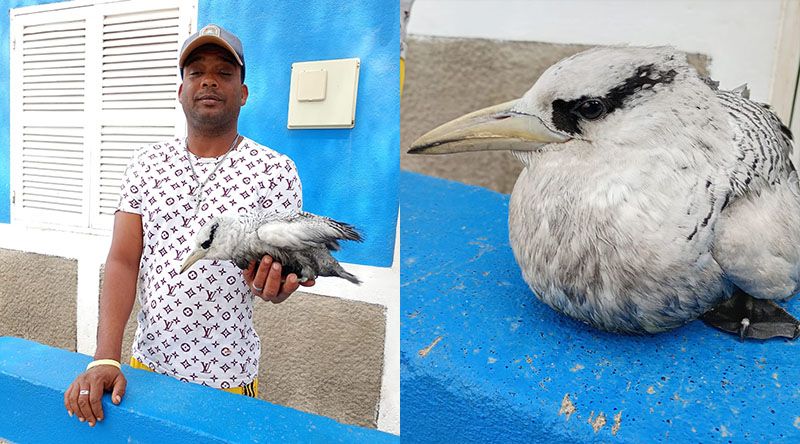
pixel 160 410
pixel 482 360
pixel 37 298
pixel 449 77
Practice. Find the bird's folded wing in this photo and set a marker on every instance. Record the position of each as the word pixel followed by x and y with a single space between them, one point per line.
pixel 757 236
pixel 762 144
pixel 305 230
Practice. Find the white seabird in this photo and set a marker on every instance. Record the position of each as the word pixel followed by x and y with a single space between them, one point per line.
pixel 649 198
pixel 300 241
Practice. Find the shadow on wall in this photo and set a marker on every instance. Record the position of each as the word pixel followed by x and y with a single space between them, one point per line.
pixel 450 77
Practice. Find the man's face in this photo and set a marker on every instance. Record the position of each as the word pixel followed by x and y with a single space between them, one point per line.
pixel 212 91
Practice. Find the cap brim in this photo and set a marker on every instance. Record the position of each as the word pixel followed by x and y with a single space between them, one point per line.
pixel 204 40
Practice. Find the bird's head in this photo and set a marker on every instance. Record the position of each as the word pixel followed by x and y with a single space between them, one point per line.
pixel 619 95
pixel 214 241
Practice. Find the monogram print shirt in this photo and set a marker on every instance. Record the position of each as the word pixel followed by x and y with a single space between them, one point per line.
pixel 198 326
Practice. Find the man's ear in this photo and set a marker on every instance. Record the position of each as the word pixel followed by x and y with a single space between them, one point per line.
pixel 245 93
pixel 180 95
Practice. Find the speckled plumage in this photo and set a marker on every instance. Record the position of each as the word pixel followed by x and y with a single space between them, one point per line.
pixel 650 215
pixel 300 241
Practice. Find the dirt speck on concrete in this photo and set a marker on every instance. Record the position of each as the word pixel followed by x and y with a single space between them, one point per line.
pixel 650 390
pixel 617 422
pixel 576 368
pixel 424 352
pixel 597 423
pixel 567 408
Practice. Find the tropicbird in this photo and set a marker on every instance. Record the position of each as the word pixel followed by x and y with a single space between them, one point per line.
pixel 648 197
pixel 300 241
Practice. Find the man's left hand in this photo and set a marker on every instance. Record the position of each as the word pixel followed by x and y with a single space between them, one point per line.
pixel 266 283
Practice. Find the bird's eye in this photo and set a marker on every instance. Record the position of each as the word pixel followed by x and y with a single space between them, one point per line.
pixel 591 109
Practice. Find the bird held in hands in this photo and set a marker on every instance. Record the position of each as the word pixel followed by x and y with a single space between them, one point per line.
pixel 649 197
pixel 300 241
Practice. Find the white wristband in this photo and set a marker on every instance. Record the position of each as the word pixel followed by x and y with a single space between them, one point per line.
pixel 104 362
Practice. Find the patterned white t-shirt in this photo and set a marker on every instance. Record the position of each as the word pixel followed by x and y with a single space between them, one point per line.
pixel 198 326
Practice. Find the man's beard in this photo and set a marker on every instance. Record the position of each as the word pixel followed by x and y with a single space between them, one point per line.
pixel 211 124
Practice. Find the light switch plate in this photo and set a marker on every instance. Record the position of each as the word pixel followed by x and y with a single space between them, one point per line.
pixel 323 94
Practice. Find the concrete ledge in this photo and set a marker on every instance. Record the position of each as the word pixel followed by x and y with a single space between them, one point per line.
pixel 483 361
pixel 33 378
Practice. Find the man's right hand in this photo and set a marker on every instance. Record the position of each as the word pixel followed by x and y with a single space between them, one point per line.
pixel 97 380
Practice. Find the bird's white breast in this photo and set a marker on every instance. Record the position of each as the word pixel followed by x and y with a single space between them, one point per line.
pixel 607 243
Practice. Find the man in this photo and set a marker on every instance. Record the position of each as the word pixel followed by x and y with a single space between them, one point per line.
pixel 195 326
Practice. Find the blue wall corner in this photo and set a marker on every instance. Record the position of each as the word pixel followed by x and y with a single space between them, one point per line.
pixel 347 174
pixel 155 408
pixel 482 360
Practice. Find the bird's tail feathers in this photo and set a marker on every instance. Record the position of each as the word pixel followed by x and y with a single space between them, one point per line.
pixel 349 276
pixel 345 231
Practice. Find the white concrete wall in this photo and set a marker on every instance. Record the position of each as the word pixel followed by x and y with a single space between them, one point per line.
pixel 741 36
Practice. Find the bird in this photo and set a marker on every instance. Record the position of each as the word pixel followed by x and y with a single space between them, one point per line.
pixel 649 196
pixel 300 241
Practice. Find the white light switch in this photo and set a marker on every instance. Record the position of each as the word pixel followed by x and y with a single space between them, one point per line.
pixel 323 94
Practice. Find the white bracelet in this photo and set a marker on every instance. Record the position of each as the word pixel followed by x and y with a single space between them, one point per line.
pixel 104 362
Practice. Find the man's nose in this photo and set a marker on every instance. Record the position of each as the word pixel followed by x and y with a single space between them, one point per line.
pixel 210 80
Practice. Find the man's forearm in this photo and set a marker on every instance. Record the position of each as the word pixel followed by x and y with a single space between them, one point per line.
pixel 116 303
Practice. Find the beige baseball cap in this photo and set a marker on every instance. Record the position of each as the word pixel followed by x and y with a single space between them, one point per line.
pixel 216 35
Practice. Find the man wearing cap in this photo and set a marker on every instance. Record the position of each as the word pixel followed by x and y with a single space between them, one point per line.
pixel 196 326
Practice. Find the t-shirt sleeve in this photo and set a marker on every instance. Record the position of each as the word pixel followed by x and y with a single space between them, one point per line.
pixel 130 194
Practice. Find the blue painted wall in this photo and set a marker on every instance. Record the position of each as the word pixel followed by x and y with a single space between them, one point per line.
pixel 347 174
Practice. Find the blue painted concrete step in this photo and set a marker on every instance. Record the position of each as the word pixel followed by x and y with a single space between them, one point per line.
pixel 483 360
pixel 155 408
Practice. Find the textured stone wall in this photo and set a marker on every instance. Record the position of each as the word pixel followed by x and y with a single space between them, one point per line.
pixel 37 298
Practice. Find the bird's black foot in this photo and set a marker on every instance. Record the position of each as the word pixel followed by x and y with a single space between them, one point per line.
pixel 751 318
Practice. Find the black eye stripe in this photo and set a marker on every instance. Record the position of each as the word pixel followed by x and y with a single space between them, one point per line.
pixel 566 118
pixel 205 245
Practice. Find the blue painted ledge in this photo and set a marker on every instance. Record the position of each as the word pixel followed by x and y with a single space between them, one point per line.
pixel 483 361
pixel 155 408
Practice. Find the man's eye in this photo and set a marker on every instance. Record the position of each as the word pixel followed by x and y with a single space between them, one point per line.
pixel 194 73
pixel 226 73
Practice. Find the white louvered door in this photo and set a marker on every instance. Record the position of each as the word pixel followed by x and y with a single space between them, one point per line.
pixel 89 85
pixel 48 88
pixel 138 92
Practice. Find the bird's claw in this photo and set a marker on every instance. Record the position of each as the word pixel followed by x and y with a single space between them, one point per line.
pixel 743 329
pixel 751 318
